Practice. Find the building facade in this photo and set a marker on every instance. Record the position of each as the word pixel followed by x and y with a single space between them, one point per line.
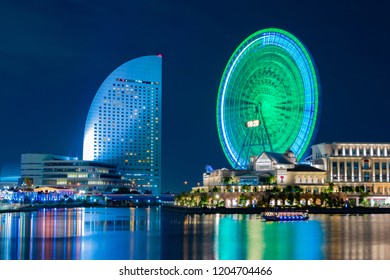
pixel 355 165
pixel 47 170
pixel 123 125
pixel 88 176
pixel 31 171
pixel 266 171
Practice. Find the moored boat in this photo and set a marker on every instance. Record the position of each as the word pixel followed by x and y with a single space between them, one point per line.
pixel 279 216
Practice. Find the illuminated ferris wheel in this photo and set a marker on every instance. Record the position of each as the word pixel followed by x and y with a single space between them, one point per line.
pixel 268 98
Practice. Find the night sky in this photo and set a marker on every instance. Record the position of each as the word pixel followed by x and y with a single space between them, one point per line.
pixel 54 55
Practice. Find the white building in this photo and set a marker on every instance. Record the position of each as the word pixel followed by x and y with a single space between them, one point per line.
pixel 265 171
pixel 355 165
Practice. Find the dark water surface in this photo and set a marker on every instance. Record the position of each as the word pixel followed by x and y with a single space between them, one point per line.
pixel 154 233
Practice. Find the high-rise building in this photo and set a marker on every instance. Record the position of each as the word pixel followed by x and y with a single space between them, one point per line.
pixel 123 125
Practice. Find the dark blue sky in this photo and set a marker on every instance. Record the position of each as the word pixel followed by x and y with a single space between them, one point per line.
pixel 55 54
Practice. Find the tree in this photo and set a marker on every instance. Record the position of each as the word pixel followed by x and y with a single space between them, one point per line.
pixel 28 181
pixel 178 199
pixel 281 195
pixel 324 198
pixel 330 188
pixel 297 197
pixel 271 180
pixel 183 199
pixel 262 201
pixel 290 198
pixel 363 199
pixel 275 190
pixel 242 199
pixel 297 189
pixel 227 180
pixel 196 199
pixel 204 200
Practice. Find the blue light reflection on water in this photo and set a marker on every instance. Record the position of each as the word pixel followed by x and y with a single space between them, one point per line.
pixel 153 233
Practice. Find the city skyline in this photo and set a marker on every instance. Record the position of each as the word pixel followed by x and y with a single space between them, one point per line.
pixel 53 64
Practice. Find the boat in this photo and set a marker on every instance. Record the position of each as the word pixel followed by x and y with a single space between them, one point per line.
pixel 282 216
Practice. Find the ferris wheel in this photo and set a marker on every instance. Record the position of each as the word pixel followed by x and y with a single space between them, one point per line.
pixel 268 98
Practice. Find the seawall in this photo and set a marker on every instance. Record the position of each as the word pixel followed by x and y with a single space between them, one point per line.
pixel 259 210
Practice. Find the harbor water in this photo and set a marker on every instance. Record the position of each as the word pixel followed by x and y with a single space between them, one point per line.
pixel 156 234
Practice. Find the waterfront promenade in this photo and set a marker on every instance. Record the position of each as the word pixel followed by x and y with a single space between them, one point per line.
pixel 54 200
pixel 196 210
pixel 259 210
pixel 17 207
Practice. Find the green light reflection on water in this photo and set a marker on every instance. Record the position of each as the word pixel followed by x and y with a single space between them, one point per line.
pixel 249 238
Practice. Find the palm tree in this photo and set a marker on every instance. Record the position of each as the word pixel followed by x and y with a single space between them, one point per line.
pixel 28 181
pixel 242 199
pixel 204 200
pixel 330 188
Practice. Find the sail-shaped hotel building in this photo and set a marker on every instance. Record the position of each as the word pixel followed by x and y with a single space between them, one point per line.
pixel 123 126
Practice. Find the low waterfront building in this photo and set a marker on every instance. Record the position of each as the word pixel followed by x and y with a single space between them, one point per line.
pixel 65 172
pixel 83 175
pixel 31 167
pixel 265 172
pixel 356 166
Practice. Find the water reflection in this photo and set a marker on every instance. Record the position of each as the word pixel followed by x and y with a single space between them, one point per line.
pixel 356 237
pixel 153 233
pixel 79 233
pixel 239 237
pixel 247 237
pixel 46 234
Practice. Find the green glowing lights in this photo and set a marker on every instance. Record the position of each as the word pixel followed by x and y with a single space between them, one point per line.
pixel 271 78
